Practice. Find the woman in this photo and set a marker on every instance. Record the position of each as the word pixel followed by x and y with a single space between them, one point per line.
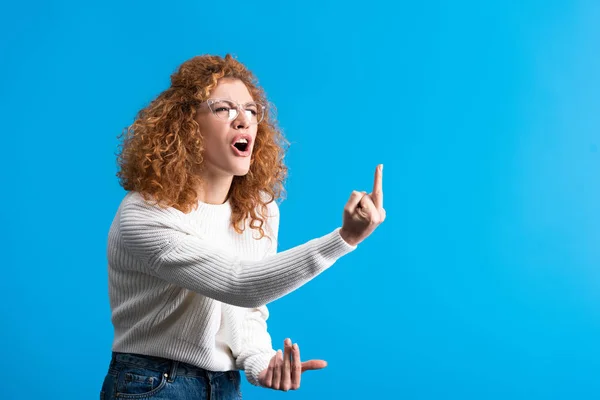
pixel 192 250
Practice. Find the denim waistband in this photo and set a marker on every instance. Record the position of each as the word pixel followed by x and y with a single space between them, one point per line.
pixel 172 367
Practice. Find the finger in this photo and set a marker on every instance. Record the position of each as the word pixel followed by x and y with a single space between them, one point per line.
pixel 368 210
pixel 313 364
pixel 269 377
pixel 355 198
pixel 377 194
pixel 296 367
pixel 360 203
pixel 286 379
pixel 277 370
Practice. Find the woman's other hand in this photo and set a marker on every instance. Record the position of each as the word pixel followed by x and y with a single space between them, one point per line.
pixel 285 369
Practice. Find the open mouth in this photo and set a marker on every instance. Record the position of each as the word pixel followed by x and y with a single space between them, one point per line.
pixel 241 144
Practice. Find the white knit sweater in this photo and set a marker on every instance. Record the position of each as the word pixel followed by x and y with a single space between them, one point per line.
pixel 189 288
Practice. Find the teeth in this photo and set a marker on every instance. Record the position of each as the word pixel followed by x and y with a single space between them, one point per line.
pixel 242 141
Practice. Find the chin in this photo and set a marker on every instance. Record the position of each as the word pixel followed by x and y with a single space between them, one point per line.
pixel 240 171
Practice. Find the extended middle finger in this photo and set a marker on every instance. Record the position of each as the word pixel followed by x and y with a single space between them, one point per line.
pixel 377 193
pixel 296 367
pixel 285 378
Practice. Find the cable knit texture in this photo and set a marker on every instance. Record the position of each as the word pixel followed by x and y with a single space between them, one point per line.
pixel 189 288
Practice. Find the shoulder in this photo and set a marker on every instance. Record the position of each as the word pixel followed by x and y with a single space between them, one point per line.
pixel 136 208
pixel 134 202
pixel 273 209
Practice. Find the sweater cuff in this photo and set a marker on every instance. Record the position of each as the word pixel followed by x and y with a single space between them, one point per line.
pixel 341 245
pixel 255 364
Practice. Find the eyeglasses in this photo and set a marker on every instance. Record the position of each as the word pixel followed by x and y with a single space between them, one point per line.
pixel 228 110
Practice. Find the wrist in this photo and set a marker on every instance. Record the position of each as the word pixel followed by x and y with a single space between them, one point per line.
pixel 347 237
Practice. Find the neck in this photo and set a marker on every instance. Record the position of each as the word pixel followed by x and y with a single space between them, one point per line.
pixel 214 188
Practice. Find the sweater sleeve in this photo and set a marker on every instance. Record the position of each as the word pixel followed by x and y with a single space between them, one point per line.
pixel 154 236
pixel 256 347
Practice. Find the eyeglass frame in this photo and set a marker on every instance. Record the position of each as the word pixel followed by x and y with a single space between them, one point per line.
pixel 238 106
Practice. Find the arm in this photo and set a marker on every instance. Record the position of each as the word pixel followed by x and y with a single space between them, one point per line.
pixel 155 237
pixel 256 347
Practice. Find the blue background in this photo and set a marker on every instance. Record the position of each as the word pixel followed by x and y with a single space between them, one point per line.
pixel 481 284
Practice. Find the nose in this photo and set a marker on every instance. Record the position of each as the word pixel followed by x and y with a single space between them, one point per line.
pixel 241 121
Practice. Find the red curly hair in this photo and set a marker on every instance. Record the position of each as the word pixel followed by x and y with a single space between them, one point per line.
pixel 162 148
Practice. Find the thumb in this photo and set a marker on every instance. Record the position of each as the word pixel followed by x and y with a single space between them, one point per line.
pixel 355 198
pixel 313 364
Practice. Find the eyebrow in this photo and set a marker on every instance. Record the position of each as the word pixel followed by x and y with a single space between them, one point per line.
pixel 240 102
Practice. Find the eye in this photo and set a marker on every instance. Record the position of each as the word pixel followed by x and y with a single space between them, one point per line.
pixel 224 109
pixel 252 109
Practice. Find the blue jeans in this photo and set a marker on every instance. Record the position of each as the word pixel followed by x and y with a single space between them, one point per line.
pixel 135 376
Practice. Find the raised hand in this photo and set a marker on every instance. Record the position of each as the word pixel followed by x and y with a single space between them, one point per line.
pixel 364 212
pixel 285 369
